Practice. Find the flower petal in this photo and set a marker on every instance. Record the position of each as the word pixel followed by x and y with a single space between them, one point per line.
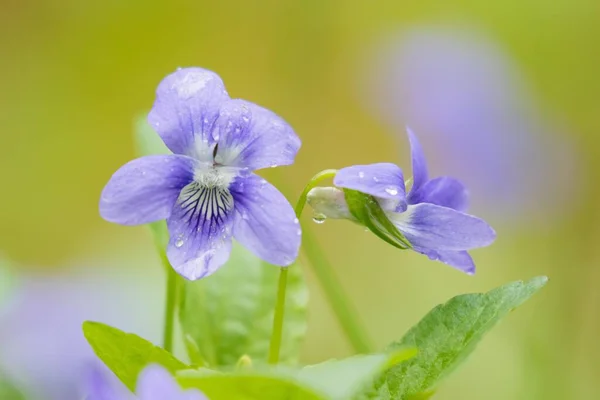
pixel 383 180
pixel 200 230
pixel 419 164
pixel 265 222
pixel 99 385
pixel 253 137
pixel 155 383
pixel 144 190
pixel 185 110
pixel 431 227
pixel 460 260
pixel 443 191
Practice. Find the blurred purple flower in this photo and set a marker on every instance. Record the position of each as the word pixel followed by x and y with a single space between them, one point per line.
pixel 154 383
pixel 206 190
pixel 432 216
pixel 42 347
pixel 470 103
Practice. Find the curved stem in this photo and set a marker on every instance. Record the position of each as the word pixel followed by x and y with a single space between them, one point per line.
pixel 337 298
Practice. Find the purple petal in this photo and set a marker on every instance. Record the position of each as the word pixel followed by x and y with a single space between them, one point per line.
pixel 100 387
pixel 460 260
pixel 443 191
pixel 383 180
pixel 155 383
pixel 419 164
pixel 265 222
pixel 186 108
pixel 431 227
pixel 253 137
pixel 144 190
pixel 200 231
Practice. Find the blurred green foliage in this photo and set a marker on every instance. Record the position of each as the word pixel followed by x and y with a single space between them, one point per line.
pixel 74 74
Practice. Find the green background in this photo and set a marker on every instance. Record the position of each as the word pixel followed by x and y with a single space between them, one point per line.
pixel 74 74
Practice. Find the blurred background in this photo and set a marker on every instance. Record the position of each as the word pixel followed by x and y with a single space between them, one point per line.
pixel 504 96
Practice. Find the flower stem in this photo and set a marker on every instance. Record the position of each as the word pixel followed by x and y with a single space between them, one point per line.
pixel 338 300
pixel 171 301
pixel 278 319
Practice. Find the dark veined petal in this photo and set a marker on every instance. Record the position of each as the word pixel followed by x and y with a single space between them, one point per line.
pixel 431 227
pixel 443 191
pixel 460 260
pixel 185 110
pixel 155 383
pixel 253 137
pixel 200 230
pixel 383 181
pixel 265 222
pixel 419 164
pixel 145 189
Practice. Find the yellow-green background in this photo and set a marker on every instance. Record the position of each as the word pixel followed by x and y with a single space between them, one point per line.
pixel 74 73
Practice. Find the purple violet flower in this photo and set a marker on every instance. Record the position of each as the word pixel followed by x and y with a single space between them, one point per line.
pixel 206 190
pixel 431 216
pixel 154 383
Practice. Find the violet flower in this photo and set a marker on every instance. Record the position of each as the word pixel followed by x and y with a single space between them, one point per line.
pixel 206 190
pixel 431 217
pixel 154 383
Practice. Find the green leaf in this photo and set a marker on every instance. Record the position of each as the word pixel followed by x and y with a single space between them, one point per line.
pixel 253 385
pixel 147 141
pixel 368 212
pixel 342 379
pixel 126 354
pixel 7 279
pixel 8 391
pixel 446 336
pixel 230 313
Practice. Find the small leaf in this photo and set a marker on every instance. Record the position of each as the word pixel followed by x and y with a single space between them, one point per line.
pixel 126 354
pixel 246 385
pixel 446 336
pixel 147 141
pixel 368 212
pixel 341 379
pixel 230 313
pixel 8 391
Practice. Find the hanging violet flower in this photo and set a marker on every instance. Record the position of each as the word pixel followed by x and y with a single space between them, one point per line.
pixel 154 383
pixel 206 190
pixel 431 217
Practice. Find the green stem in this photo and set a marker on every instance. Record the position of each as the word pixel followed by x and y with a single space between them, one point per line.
pixel 278 319
pixel 171 301
pixel 338 300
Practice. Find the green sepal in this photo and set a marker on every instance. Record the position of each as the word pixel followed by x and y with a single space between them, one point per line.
pixel 367 211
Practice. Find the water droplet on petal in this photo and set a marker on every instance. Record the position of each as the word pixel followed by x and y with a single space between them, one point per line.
pixel 376 179
pixel 319 218
pixel 246 119
pixel 361 174
pixel 391 191
pixel 274 166
pixel 296 221
pixel 263 182
pixel 179 243
pixel 299 232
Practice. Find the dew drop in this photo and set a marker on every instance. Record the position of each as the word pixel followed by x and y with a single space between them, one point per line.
pixel 179 243
pixel 391 191
pixel 319 218
pixel 361 174
pixel 263 182
pixel 376 179
pixel 274 166
pixel 296 221
pixel 246 119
